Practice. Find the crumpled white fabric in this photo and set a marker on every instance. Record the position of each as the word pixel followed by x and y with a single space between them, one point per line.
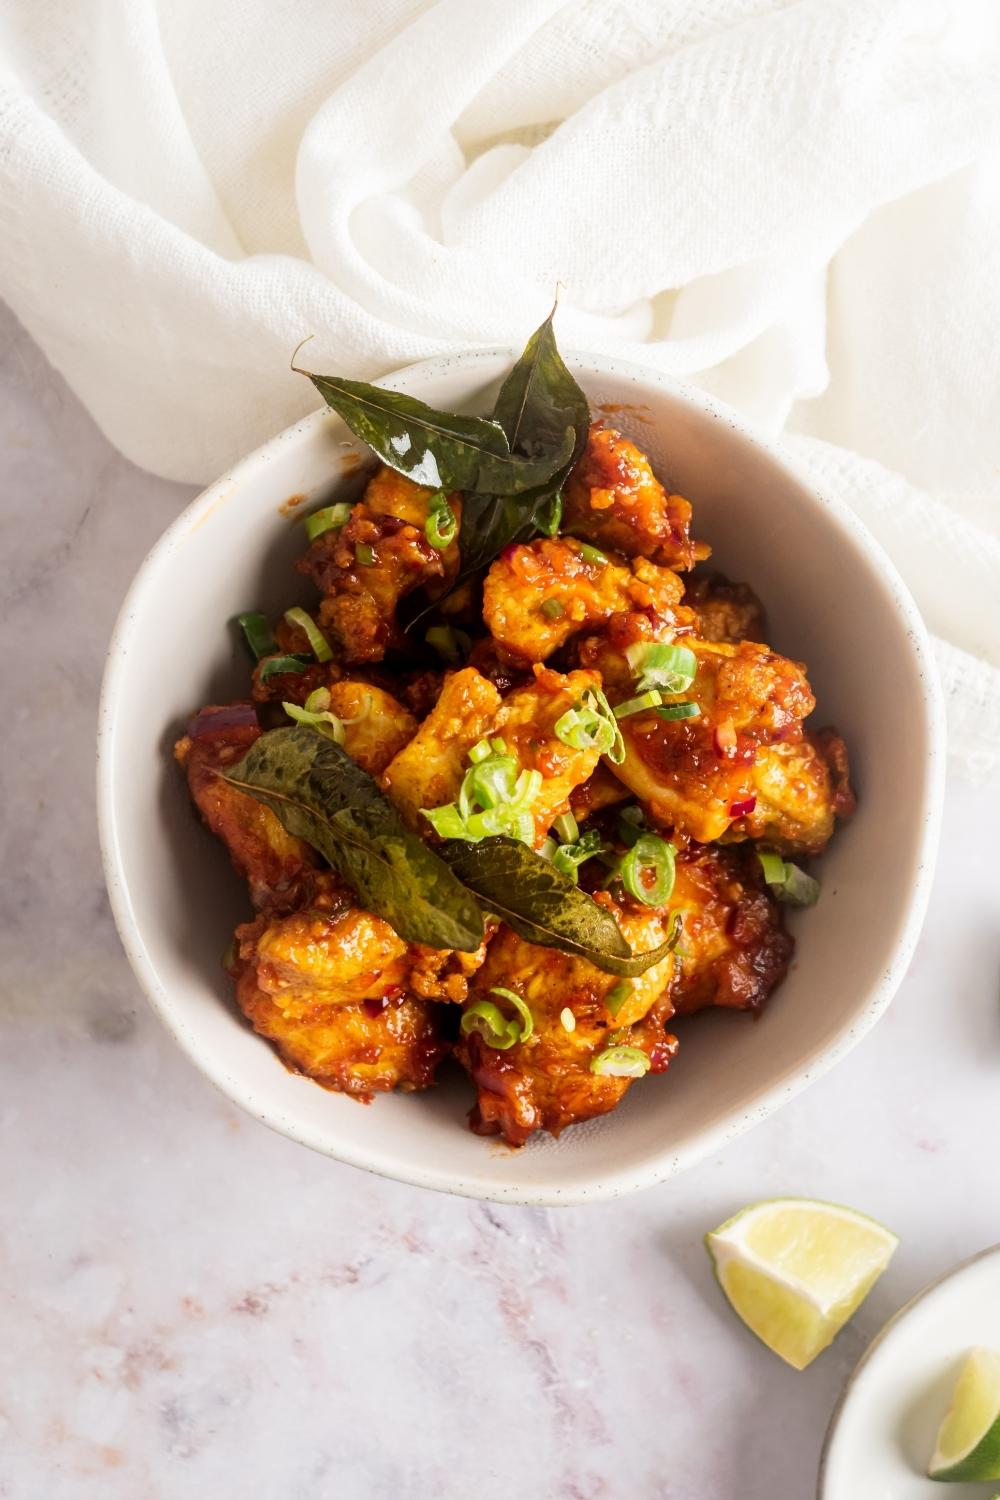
pixel 794 203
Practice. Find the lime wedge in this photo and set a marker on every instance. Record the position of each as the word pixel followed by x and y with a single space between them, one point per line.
pixel 968 1441
pixel 795 1270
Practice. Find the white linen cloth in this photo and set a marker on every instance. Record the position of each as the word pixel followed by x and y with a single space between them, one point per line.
pixel 795 203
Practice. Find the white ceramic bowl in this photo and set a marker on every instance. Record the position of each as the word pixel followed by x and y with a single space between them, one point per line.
pixel 833 600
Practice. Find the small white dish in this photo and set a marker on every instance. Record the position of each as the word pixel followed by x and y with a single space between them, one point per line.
pixel 834 601
pixel 881 1437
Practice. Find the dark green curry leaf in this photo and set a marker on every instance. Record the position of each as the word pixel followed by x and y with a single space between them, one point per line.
pixel 321 796
pixel 544 906
pixel 540 398
pixel 437 448
pixel 537 404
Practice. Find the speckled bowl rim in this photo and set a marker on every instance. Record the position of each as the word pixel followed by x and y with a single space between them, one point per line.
pixel 887 1328
pixel 670 1162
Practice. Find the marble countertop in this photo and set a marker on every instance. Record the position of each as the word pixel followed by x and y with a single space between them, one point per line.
pixel 194 1306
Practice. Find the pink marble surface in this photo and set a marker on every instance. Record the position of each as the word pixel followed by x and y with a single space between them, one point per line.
pixel 194 1307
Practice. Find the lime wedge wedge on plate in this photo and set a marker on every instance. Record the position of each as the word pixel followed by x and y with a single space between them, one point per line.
pixel 968 1441
pixel 795 1270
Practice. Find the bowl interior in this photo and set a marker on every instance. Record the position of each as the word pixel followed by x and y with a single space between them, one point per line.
pixel 832 602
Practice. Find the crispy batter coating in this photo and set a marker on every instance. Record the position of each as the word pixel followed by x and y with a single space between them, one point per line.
pixel 358 612
pixel 376 725
pixel 696 775
pixel 429 771
pixel 802 788
pixel 614 499
pixel 598 792
pixel 726 611
pixel 734 949
pixel 527 581
pixel 355 1049
pixel 276 866
pixel 546 1083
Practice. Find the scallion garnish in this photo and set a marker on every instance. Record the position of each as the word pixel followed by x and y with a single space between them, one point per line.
pixel 326 519
pixel 787 881
pixel 495 797
pixel 552 609
pixel 364 555
pixel 527 1023
pixel 568 857
pixel 620 1062
pixel 441 525
pixel 592 554
pixel 489 1021
pixel 449 643
pixel 645 701
pixel 316 713
pixel 647 870
pixel 567 828
pixel 277 666
pixel 683 710
pixel 617 996
pixel 657 664
pixel 591 725
pixel 318 644
pixel 257 632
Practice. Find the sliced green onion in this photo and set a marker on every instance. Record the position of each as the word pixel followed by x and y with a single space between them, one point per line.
pixel 787 881
pixel 448 642
pixel 527 1021
pixel 258 635
pixel 620 1062
pixel 592 554
pixel 495 797
pixel 364 555
pixel 591 725
pixel 618 995
pixel 650 856
pixel 489 1021
pixel 568 857
pixel 446 821
pixel 639 705
pixel 326 519
pixel 567 828
pixel 324 722
pixel 318 644
pixel 277 666
pixel 552 609
pixel 548 524
pixel 442 523
pixel 567 1019
pixel 548 849
pixel 657 664
pixel 677 711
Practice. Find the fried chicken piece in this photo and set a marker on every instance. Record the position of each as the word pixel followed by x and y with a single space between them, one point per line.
pixel 546 1082
pixel 277 866
pixel 696 775
pixel 726 611
pixel 428 772
pixel 613 498
pixel 733 949
pixel 598 792
pixel 376 725
pixel 357 1049
pixel 528 584
pixel 802 788
pixel 358 612
pixel 526 723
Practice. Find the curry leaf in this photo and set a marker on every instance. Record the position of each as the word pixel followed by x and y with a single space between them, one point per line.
pixel 540 398
pixel 544 906
pixel 320 795
pixel 437 448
